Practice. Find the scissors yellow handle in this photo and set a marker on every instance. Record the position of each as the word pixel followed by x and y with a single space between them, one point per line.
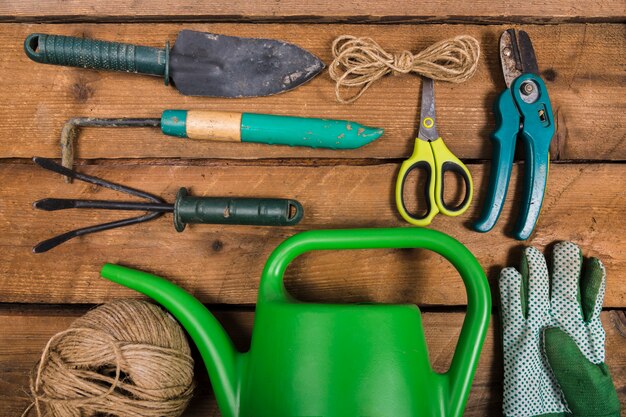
pixel 435 159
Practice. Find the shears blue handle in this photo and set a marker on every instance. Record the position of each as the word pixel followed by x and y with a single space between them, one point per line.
pixel 536 135
pixel 503 140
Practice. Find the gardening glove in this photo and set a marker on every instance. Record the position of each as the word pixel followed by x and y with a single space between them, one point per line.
pixel 553 338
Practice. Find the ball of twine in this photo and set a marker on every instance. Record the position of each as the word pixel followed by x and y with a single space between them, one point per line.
pixel 358 62
pixel 126 358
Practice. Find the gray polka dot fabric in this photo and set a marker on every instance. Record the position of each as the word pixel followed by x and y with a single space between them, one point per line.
pixel 530 388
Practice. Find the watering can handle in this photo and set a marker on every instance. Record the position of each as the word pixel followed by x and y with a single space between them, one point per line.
pixel 469 345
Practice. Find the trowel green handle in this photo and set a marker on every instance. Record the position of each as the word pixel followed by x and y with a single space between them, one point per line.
pixel 267 128
pixel 221 210
pixel 456 382
pixel 100 55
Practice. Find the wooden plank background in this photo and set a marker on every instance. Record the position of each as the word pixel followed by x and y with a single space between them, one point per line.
pixel 222 264
pixel 582 64
pixel 580 48
pixel 382 11
pixel 26 331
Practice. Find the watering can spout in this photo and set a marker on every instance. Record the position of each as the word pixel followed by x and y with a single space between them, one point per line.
pixel 216 348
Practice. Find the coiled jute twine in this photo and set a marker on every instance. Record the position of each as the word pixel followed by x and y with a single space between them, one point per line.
pixel 358 62
pixel 126 358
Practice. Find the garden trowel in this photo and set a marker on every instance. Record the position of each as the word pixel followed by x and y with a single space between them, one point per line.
pixel 199 63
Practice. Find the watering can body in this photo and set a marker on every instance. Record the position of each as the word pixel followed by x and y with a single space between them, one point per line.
pixel 339 360
pixel 332 360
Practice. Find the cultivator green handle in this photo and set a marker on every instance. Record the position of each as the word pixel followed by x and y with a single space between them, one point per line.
pixel 224 210
pixel 100 55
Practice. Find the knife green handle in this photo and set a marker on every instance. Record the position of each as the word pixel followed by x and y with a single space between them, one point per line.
pixel 94 54
pixel 267 128
pixel 224 210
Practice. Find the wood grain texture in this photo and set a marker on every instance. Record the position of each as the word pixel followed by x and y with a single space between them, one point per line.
pixel 583 66
pixel 581 59
pixel 383 11
pixel 23 334
pixel 584 203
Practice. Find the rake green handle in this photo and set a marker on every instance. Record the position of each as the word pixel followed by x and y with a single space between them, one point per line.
pixel 223 210
pixel 99 55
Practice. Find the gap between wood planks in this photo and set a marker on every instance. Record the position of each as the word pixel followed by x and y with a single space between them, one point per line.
pixel 315 11
pixel 294 162
pixel 313 19
pixel 26 309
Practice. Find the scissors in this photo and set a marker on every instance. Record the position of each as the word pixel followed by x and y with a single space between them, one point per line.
pixel 523 111
pixel 433 156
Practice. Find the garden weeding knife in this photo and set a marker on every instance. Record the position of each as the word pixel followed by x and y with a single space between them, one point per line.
pixel 225 126
pixel 199 63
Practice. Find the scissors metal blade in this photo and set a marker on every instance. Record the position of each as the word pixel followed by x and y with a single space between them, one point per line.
pixel 428 128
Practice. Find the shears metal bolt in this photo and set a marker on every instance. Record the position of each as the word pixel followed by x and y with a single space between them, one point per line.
pixel 527 88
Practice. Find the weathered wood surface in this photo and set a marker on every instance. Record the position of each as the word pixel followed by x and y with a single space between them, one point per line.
pixel 584 203
pixel 383 11
pixel 583 66
pixel 23 334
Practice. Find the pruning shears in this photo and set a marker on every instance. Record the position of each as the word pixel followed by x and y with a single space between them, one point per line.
pixel 523 110
pixel 433 156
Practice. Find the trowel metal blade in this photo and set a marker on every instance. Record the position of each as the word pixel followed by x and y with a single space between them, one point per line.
pixel 206 64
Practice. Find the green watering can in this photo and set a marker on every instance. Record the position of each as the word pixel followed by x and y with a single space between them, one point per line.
pixel 332 360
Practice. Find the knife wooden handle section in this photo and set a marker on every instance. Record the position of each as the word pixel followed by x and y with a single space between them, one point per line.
pixel 214 125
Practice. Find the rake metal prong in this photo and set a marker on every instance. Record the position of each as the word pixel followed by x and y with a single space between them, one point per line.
pixel 53 204
pixel 55 241
pixel 156 207
pixel 50 165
